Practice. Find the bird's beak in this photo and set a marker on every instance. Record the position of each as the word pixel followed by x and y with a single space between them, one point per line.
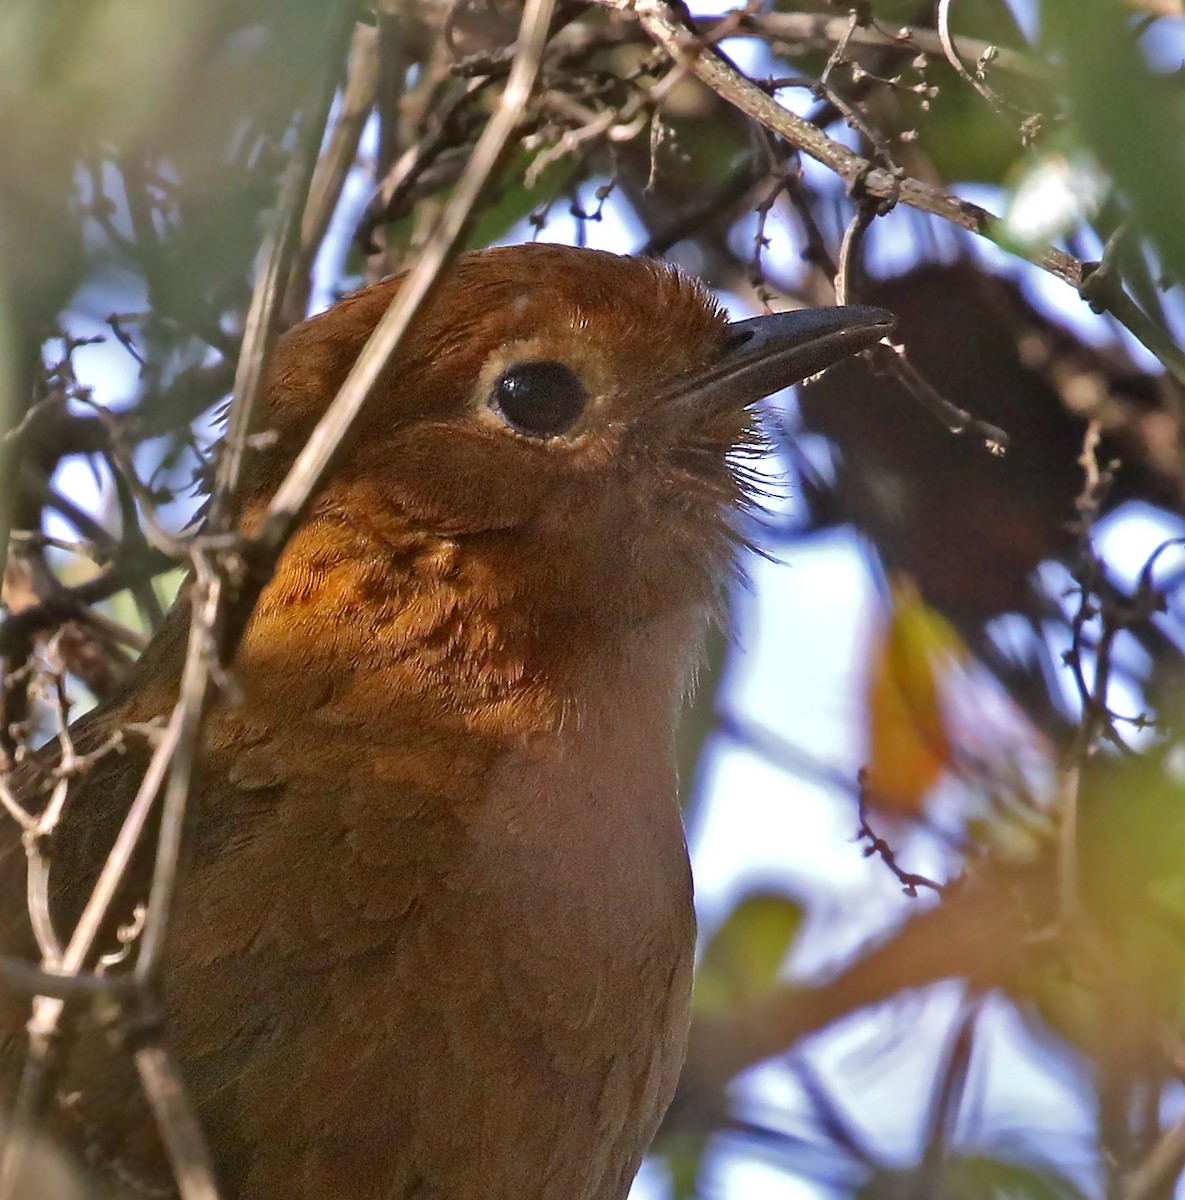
pixel 765 354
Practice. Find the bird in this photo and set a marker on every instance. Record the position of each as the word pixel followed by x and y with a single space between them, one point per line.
pixel 437 936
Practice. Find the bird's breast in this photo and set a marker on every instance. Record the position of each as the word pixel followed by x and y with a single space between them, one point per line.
pixel 400 985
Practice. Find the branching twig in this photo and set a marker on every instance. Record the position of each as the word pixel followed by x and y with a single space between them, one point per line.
pixel 894 359
pixel 659 20
pixel 208 595
pixel 333 165
pixel 685 47
pixel 293 494
pixel 951 53
pixel 877 845
pixel 176 753
pixel 1154 1177
pixel 821 27
pixel 47 1010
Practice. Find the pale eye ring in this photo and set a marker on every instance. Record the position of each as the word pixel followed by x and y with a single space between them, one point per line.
pixel 539 397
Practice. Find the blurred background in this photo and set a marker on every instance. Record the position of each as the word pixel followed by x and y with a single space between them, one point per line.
pixel 934 774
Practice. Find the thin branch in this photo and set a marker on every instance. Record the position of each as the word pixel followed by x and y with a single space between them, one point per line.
pixel 877 845
pixel 782 753
pixel 178 747
pixel 833 1121
pixel 73 604
pixel 982 933
pixel 263 318
pixel 17 975
pixel 181 1132
pixel 840 49
pixel 686 48
pixel 294 493
pixel 1155 1176
pixel 820 27
pixel 892 357
pixel 579 40
pixel 945 1105
pixel 1104 292
pixel 43 1034
pixel 849 250
pixel 951 53
pixel 333 166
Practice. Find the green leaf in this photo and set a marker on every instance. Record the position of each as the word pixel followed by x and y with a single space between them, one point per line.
pixel 515 200
pixel 973 1178
pixel 746 954
pixel 1128 118
pixel 684 1158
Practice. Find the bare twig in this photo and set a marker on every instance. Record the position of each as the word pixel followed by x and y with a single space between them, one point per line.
pixel 333 165
pixel 1101 288
pixel 957 420
pixel 20 976
pixel 72 604
pixel 685 47
pixel 841 46
pixel 782 753
pixel 47 1010
pixel 175 755
pixel 813 29
pixel 181 1132
pixel 821 27
pixel 209 593
pixel 1154 1177
pixel 877 845
pixel 945 1104
pixel 176 752
pixel 659 20
pixel 298 486
pixel 1096 720
pixel 833 1121
pixel 431 162
pixel 951 53
pixel 849 249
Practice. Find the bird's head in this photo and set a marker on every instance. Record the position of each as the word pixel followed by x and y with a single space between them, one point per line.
pixel 545 475
pixel 562 426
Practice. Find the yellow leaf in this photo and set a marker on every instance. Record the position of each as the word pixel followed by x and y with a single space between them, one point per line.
pixel 909 744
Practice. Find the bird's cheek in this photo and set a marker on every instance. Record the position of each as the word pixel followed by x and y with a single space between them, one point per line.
pixel 474 493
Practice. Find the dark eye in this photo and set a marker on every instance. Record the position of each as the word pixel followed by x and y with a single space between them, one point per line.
pixel 539 398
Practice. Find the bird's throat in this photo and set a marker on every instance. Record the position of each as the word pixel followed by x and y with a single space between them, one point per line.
pixel 433 639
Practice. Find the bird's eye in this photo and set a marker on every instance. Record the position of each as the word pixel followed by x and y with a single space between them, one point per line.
pixel 539 398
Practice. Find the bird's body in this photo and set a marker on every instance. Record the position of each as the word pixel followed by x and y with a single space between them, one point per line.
pixel 437 937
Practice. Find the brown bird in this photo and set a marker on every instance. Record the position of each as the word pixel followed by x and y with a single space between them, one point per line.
pixel 437 938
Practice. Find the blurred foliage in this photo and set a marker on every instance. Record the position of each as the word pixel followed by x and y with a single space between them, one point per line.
pixel 910 660
pixel 745 955
pixel 1134 126
pixel 973 1178
pixel 140 154
pixel 175 114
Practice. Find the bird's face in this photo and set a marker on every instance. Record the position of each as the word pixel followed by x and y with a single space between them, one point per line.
pixel 566 423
